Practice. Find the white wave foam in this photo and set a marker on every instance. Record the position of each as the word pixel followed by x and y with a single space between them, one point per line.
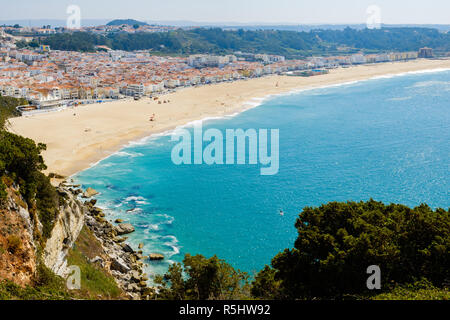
pixel 134 198
pixel 173 238
pixel 154 227
pixel 128 154
pixel 425 84
pixel 393 75
pixel 135 211
pixel 176 250
pixel 400 99
pixel 169 219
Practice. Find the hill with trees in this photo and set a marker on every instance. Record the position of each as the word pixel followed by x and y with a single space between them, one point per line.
pixel 130 22
pixel 291 44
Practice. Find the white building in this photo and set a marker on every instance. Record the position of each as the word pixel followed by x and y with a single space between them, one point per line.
pixel 135 90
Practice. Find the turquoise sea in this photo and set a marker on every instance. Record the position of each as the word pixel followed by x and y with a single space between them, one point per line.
pixel 385 138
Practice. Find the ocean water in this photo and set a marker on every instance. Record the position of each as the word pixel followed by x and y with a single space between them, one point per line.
pixel 386 139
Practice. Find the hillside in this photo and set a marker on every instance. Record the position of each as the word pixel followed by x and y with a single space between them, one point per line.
pixel 288 43
pixel 130 22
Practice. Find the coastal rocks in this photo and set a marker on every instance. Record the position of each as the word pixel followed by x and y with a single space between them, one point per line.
pixel 133 287
pixel 135 276
pixel 120 259
pixel 97 212
pixel 89 193
pixel 156 257
pixel 119 265
pixel 120 239
pixel 118 221
pixel 98 260
pixel 127 248
pixel 124 228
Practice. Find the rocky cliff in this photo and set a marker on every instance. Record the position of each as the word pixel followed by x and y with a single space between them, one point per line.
pixel 68 225
pixel 19 243
pixel 80 234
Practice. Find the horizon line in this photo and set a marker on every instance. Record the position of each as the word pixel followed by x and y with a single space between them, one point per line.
pixel 226 23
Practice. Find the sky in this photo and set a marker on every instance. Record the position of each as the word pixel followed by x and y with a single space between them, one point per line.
pixel 242 11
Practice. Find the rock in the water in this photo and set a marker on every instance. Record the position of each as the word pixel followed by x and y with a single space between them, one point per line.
pixel 118 221
pixel 156 256
pixel 89 193
pixel 141 245
pixel 124 228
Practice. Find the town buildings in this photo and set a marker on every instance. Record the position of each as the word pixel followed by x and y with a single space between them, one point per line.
pixel 44 76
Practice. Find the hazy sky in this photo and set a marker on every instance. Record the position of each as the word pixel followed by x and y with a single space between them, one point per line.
pixel 269 11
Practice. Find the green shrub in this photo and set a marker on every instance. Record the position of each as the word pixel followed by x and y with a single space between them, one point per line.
pixel 94 281
pixel 14 244
pixel 3 193
pixel 47 286
pixel 8 108
pixel 22 159
pixel 47 203
pixel 420 290
pixel 211 278
pixel 265 286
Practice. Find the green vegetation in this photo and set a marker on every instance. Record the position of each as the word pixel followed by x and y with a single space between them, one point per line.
pixel 338 241
pixel 21 162
pixel 27 44
pixel 14 244
pixel 95 282
pixel 420 290
pixel 8 108
pixel 46 286
pixel 77 41
pixel 206 279
pixel 130 22
pixel 288 43
pixel 335 245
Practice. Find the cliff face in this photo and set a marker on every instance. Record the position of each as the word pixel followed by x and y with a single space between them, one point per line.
pixel 81 235
pixel 68 225
pixel 18 246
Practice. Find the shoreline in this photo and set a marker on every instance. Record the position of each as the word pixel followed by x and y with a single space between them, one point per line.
pixel 84 149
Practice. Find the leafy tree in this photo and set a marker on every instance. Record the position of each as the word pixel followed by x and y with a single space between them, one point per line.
pixel 200 278
pixel 338 241
pixel 265 286
pixel 8 108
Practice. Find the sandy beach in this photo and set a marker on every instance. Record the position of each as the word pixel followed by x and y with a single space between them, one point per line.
pixel 80 136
